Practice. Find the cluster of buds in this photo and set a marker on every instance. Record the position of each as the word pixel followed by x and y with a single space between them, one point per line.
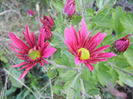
pixel 121 44
pixel 47 21
pixel 69 8
pixel 48 25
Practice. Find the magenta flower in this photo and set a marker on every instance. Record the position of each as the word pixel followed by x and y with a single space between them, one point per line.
pixel 47 21
pixel 70 7
pixel 122 44
pixel 31 13
pixel 33 52
pixel 84 48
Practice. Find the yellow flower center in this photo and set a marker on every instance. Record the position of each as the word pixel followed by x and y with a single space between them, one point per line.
pixel 85 54
pixel 34 54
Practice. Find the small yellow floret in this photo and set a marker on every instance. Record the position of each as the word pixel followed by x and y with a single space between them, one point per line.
pixel 85 54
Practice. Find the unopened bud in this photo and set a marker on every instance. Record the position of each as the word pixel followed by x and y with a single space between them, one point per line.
pixel 122 44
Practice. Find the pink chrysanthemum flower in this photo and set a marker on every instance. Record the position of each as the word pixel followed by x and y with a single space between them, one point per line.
pixel 31 13
pixel 70 7
pixel 84 48
pixel 33 52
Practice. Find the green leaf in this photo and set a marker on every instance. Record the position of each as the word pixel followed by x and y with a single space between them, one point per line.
pixel 63 60
pixel 93 91
pixel 90 83
pixel 85 74
pixel 71 58
pixel 68 83
pixel 128 54
pixel 101 20
pixel 58 5
pixel 52 73
pixel 127 22
pixel 57 53
pixel 103 77
pixel 116 15
pixel 99 3
pixel 17 74
pixel 74 92
pixel 124 78
pixel 11 90
pixel 68 75
pixel 76 20
pixel 90 12
pixel 57 89
pixel 2 58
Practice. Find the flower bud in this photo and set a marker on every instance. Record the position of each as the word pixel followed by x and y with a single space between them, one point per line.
pixel 48 33
pixel 69 8
pixel 122 44
pixel 47 21
pixel 31 13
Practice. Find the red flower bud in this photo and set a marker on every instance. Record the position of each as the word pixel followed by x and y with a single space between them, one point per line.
pixel 70 7
pixel 48 33
pixel 31 13
pixel 122 44
pixel 47 21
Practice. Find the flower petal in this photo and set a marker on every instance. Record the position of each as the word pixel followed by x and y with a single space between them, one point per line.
pixel 89 66
pixel 48 52
pixel 18 41
pixel 106 55
pixel 25 66
pixel 26 71
pixel 45 61
pixel 18 65
pixel 77 61
pixel 99 49
pixel 41 63
pixel 83 28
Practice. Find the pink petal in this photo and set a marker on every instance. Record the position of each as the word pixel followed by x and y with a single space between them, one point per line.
pixel 41 63
pixel 28 40
pixel 22 58
pixel 100 49
pixel 83 28
pixel 77 61
pixel 74 35
pixel 34 39
pixel 100 60
pixel 91 61
pixel 44 46
pixel 25 66
pixel 45 61
pixel 95 42
pixel 70 46
pixel 17 51
pixel 91 40
pixel 106 55
pixel 26 71
pixel 85 39
pixel 18 41
pixel 48 52
pixel 13 45
pixel 89 66
pixel 18 65
pixel 41 37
